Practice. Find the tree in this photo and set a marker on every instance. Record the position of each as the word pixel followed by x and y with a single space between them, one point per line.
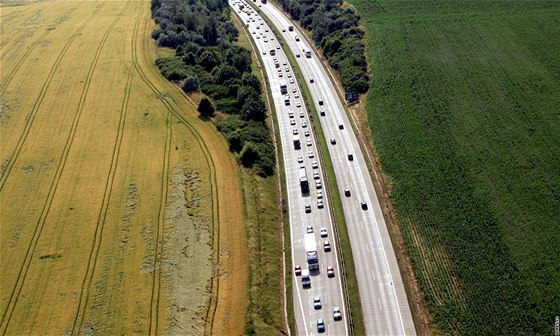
pixel 253 109
pixel 206 108
pixel 191 84
pixel 249 154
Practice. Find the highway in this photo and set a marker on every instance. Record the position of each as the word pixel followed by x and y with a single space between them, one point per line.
pixel 293 118
pixel 384 303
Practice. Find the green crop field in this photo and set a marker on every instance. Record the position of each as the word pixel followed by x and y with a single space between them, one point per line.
pixel 464 108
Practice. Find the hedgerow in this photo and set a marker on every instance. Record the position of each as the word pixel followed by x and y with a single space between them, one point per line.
pixel 206 58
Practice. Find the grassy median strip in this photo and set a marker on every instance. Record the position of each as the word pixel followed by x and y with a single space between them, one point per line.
pixel 347 261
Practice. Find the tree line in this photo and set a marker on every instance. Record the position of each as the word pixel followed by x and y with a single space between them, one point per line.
pixel 336 31
pixel 206 60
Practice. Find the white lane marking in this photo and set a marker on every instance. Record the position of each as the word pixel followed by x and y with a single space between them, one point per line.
pixel 378 300
pixel 367 248
pixel 362 224
pixel 373 274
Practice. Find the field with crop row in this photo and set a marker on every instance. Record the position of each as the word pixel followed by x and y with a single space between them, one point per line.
pixel 464 112
pixel 108 182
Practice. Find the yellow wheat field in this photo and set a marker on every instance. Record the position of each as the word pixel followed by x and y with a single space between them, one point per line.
pixel 108 183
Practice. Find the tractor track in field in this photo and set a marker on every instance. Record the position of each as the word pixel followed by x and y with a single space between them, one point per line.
pixel 31 117
pixel 98 235
pixel 6 41
pixel 154 304
pixel 20 62
pixel 60 168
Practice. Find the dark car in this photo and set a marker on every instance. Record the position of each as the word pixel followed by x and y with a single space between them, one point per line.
pixel 350 157
pixel 364 206
pixel 347 192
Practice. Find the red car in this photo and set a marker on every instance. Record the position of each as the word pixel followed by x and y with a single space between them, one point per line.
pixel 327 246
pixel 330 271
pixel 297 269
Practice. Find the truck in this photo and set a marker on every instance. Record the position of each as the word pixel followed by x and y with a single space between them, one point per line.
pixel 305 279
pixel 297 142
pixel 283 86
pixel 303 181
pixel 311 252
pixel 291 28
pixel 263 1
pixel 307 52
pixel 241 7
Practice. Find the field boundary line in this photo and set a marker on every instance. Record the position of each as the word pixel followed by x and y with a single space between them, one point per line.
pixel 18 286
pixel 98 235
pixel 212 180
pixel 39 101
pixel 20 62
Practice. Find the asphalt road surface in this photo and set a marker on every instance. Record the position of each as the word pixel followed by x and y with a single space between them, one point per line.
pixel 384 303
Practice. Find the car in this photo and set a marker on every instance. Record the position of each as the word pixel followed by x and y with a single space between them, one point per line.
pixel 314 165
pixel 333 141
pixel 322 113
pixel 306 133
pixel 283 30
pixel 340 126
pixel 317 303
pixel 297 270
pixel 294 90
pixel 266 30
pixel 302 115
pixel 258 27
pixel 292 122
pixel 265 40
pixel 320 102
pixel 307 208
pixel 264 52
pixel 337 315
pixel 272 38
pixel 326 246
pixel 285 62
pixel 330 271
pixel 291 81
pixel 347 192
pixel 289 76
pixel 321 326
pixel 290 115
pixel 296 95
pixel 298 104
pixel 295 131
pixel 254 32
pixel 301 166
pixel 311 80
pixel 277 47
pixel 309 143
pixel 350 157
pixel 297 55
pixel 296 38
pixel 364 205
pixel 324 232
pixel 319 195
pixel 318 185
pixel 280 75
pixel 304 124
pixel 258 37
pixel 299 159
pixel 316 176
pixel 311 154
pixel 309 229
pixel 287 69
pixel 320 204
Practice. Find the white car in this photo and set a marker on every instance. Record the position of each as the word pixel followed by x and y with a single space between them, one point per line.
pixel 302 115
pixel 296 95
pixel 300 159
pixel 298 104
pixel 295 131
pixel 291 81
pixel 316 175
pixel 320 204
pixel 309 143
pixel 311 154
pixel 319 195
pixel 292 122
pixel 294 90
pixel 337 315
pixel 306 133
pixel 309 229
pixel 304 124
pixel 314 165
pixel 324 232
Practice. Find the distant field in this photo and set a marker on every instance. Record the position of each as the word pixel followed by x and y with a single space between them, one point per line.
pixel 108 187
pixel 464 109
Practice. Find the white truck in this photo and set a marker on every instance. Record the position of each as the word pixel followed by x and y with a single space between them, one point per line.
pixel 311 252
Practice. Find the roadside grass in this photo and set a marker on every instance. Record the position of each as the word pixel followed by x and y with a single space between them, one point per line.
pixel 463 108
pixel 264 222
pixel 347 262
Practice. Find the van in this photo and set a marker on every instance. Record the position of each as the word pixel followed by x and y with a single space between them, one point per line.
pixel 305 278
